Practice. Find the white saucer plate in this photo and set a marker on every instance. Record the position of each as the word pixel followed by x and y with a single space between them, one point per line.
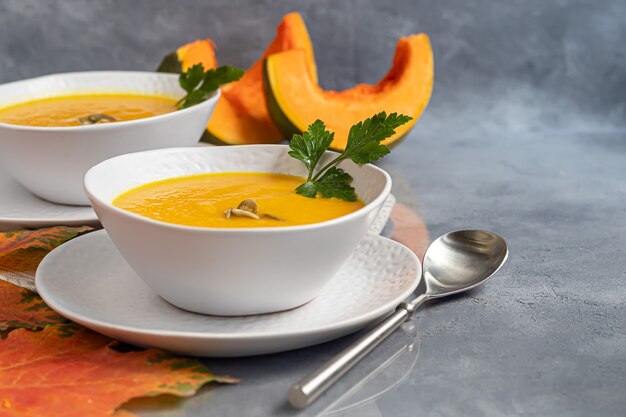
pixel 20 209
pixel 88 281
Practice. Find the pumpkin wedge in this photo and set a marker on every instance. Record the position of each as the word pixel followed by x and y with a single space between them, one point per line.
pixel 295 100
pixel 241 115
pixel 197 52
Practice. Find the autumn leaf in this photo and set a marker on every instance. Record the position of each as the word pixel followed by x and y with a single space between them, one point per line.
pixel 66 370
pixel 46 239
pixel 20 254
pixel 22 251
pixel 20 307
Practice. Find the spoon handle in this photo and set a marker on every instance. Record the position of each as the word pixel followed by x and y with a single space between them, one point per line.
pixel 308 389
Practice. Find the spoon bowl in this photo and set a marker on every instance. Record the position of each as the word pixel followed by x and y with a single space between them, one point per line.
pixel 461 260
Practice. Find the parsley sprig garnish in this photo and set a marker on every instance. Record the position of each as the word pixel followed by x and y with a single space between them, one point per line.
pixel 200 84
pixel 364 146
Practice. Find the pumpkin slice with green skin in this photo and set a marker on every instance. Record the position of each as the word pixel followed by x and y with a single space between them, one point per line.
pixel 241 115
pixel 197 52
pixel 295 100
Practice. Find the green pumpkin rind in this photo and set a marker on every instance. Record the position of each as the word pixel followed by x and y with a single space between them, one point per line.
pixel 280 119
pixel 208 137
pixel 170 64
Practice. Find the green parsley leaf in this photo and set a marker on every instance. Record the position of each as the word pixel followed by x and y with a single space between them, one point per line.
pixel 308 189
pixel 214 78
pixel 193 98
pixel 310 147
pixel 364 138
pixel 336 183
pixel 199 84
pixel 191 78
pixel 363 146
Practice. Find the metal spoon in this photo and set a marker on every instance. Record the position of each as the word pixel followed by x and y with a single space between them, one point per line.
pixel 455 262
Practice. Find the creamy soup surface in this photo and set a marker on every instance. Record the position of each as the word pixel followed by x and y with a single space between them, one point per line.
pixel 202 200
pixel 68 110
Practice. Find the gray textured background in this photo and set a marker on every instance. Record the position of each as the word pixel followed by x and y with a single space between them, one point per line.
pixel 515 65
pixel 525 135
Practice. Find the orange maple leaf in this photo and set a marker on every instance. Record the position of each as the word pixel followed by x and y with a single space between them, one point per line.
pixel 46 239
pixel 20 307
pixel 68 371
pixel 20 254
pixel 22 251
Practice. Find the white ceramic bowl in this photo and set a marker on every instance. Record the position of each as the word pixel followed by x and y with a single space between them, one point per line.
pixel 51 162
pixel 230 271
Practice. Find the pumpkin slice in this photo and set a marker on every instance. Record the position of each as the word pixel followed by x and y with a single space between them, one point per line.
pixel 198 52
pixel 295 100
pixel 241 115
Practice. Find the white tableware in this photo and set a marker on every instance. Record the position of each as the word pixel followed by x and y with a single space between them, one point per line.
pixel 20 209
pixel 223 271
pixel 88 281
pixel 52 161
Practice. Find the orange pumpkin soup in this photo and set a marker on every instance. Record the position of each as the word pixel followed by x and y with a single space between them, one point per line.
pixel 76 110
pixel 216 200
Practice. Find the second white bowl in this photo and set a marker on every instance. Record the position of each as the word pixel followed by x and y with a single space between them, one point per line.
pixel 51 162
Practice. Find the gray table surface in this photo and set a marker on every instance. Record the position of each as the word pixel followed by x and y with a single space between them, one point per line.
pixel 545 337
pixel 525 135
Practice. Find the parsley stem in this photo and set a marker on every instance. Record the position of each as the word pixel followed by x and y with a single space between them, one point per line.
pixel 328 165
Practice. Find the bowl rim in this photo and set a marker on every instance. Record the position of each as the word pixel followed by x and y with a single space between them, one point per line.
pixel 368 207
pixel 103 126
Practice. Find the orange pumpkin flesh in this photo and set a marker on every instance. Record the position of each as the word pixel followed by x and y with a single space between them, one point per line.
pixel 197 52
pixel 241 115
pixel 296 100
